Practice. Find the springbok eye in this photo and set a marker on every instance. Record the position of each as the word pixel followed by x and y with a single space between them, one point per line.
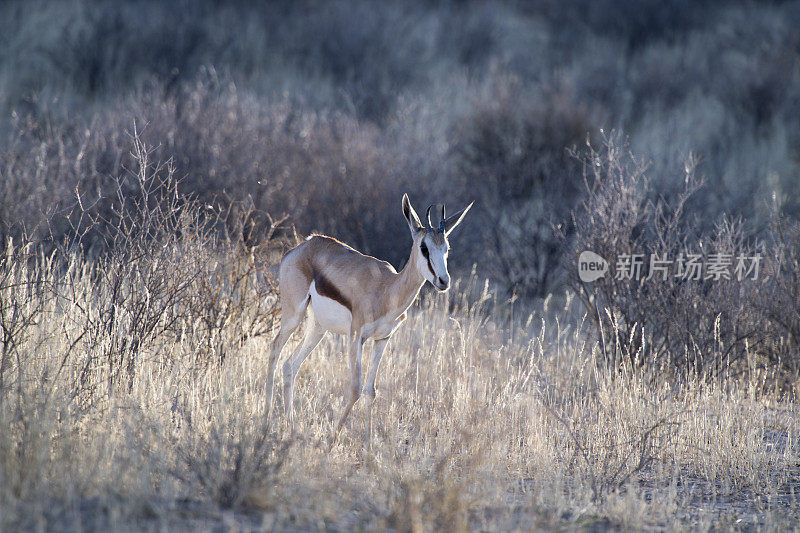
pixel 424 249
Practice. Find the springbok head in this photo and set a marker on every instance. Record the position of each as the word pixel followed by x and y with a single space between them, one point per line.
pixel 431 246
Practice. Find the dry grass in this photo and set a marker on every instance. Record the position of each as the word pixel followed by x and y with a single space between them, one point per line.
pixel 481 422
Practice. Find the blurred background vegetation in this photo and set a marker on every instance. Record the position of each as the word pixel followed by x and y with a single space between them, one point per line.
pixel 328 111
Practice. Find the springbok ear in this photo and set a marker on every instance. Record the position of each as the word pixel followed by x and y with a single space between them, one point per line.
pixel 452 221
pixel 411 216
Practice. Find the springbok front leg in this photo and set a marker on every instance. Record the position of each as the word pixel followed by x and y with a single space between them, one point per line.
pixel 369 387
pixel 313 335
pixel 356 346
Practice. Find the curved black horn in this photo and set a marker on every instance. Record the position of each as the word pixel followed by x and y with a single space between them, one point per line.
pixel 441 222
pixel 428 216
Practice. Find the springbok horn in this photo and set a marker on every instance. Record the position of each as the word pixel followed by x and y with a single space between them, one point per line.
pixel 455 219
pixel 428 216
pixel 441 222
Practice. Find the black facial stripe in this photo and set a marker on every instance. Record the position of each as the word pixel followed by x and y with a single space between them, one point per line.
pixel 427 255
pixel 430 267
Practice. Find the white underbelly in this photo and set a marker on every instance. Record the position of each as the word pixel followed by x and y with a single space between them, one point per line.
pixel 332 315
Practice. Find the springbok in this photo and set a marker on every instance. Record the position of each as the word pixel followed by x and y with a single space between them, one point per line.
pixel 355 295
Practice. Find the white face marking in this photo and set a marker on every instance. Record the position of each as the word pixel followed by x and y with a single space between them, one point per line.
pixel 332 315
pixel 437 257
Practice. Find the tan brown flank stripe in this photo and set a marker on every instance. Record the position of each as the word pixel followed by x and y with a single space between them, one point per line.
pixel 328 290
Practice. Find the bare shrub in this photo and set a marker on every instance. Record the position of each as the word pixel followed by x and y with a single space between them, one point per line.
pixel 233 300
pixel 169 267
pixel 778 299
pixel 22 303
pixel 655 318
pixel 231 459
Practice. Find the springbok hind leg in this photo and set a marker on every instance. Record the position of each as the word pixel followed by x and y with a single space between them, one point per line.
pixel 290 319
pixel 314 333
